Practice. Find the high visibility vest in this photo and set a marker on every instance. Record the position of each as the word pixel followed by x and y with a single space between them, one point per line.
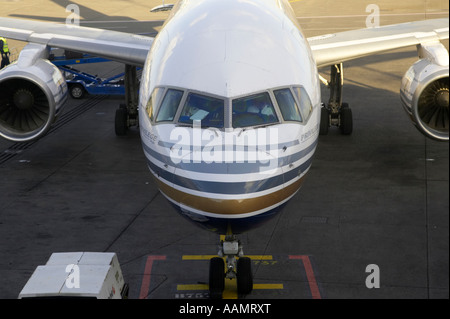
pixel 5 45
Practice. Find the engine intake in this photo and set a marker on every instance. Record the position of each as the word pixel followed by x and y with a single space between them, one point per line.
pixel 425 96
pixel 32 92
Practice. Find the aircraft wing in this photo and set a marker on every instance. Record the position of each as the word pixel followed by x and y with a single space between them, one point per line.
pixel 339 47
pixel 132 49
pixel 118 46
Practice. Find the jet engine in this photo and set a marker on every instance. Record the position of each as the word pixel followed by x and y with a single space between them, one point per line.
pixel 425 92
pixel 32 92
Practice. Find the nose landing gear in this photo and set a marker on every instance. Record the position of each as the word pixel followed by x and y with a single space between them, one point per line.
pixel 237 267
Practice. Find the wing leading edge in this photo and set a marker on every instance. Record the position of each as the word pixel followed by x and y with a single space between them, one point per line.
pixel 118 46
pixel 339 47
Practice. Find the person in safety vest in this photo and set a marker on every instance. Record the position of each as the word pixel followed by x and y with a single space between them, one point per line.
pixel 4 50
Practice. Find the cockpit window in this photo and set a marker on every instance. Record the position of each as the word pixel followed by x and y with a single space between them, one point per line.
pixel 306 106
pixel 287 104
pixel 208 110
pixel 253 110
pixel 169 105
pixel 153 101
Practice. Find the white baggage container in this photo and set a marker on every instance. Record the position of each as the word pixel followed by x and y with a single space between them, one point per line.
pixel 77 275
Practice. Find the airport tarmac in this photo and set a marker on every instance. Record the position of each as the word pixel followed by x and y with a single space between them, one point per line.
pixel 378 197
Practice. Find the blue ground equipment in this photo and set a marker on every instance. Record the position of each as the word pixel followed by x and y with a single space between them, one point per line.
pixel 80 83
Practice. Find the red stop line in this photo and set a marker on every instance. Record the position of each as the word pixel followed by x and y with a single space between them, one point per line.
pixel 314 288
pixel 147 275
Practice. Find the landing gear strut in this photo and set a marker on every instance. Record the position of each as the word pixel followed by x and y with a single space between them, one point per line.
pixel 127 114
pixel 336 113
pixel 237 267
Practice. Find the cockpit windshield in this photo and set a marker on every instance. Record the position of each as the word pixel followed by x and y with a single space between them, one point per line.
pixel 288 104
pixel 208 110
pixel 253 110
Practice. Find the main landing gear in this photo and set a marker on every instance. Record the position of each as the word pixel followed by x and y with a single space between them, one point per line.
pixel 237 267
pixel 127 114
pixel 336 113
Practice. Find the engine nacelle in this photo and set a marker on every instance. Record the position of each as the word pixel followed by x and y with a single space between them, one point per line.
pixel 32 92
pixel 425 92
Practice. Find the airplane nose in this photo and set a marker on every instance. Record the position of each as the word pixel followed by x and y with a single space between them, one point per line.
pixel 229 196
pixel 230 176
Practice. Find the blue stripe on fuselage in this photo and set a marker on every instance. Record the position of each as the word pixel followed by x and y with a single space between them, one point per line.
pixel 246 167
pixel 244 187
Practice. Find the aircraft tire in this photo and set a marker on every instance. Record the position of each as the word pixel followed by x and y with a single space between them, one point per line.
pixel 244 275
pixel 120 124
pixel 324 121
pixel 346 124
pixel 216 277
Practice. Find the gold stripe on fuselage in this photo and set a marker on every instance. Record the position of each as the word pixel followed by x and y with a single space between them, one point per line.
pixel 229 206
